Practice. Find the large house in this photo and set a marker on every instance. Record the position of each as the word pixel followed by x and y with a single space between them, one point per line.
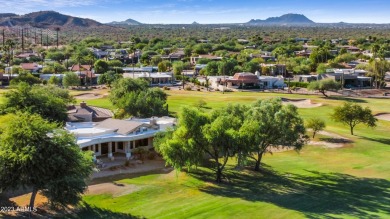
pixel 118 136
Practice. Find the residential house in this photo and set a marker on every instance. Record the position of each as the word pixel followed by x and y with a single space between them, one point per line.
pixel 199 67
pixel 118 136
pixel 85 113
pixel 155 78
pixel 174 56
pixel 349 80
pixel 31 67
pixel 100 54
pixel 194 60
pixel 276 69
pixel 26 55
pixel 85 72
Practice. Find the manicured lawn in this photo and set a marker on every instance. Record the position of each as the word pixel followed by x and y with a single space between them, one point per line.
pixel 317 182
pixel 349 182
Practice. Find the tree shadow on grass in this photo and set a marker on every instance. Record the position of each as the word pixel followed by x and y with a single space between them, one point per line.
pixel 86 211
pixel 317 195
pixel 348 99
pixel 379 140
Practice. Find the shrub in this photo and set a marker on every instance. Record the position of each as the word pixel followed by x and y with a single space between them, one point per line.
pixel 188 88
pixel 297 84
pixel 151 155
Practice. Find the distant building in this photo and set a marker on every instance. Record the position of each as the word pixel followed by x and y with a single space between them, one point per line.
pixel 32 67
pixel 155 79
pixel 194 60
pixel 85 73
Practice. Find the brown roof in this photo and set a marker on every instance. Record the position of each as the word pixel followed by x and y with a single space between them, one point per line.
pixel 82 67
pixel 121 126
pixel 74 112
pixel 28 66
pixel 244 77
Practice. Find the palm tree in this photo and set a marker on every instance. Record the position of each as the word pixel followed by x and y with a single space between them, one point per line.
pixel 374 49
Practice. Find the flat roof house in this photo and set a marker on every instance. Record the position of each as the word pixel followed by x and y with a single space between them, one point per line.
pixel 194 60
pixel 155 79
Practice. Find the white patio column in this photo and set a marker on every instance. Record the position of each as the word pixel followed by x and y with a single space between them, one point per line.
pixel 99 149
pixel 127 150
pixel 116 146
pixel 110 151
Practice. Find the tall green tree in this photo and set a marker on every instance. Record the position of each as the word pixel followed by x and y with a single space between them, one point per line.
pixel 109 77
pixel 101 66
pixel 133 97
pixel 270 124
pixel 200 135
pixel 70 79
pixel 49 102
pixel 40 155
pixel 352 114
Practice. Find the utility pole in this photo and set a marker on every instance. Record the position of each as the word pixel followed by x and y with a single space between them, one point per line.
pixel 3 38
pixel 41 39
pixel 22 39
pixel 57 30
pixel 47 41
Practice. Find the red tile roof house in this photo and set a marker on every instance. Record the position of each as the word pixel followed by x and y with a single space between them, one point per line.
pixel 85 73
pixel 32 67
pixel 239 79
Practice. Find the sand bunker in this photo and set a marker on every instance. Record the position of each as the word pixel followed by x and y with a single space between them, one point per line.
pixel 113 189
pixel 88 96
pixel 301 103
pixel 383 116
pixel 335 140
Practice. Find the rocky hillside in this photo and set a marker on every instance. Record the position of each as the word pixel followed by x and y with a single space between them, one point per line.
pixel 47 19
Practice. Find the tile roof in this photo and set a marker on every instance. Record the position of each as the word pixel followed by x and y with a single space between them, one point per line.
pixel 29 66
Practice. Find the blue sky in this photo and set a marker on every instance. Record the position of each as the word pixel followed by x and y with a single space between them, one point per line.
pixel 208 11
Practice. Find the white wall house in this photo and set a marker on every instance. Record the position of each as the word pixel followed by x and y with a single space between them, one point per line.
pixel 156 78
pixel 118 136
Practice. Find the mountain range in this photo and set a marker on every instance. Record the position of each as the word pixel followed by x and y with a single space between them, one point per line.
pixel 52 19
pixel 128 22
pixel 284 19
